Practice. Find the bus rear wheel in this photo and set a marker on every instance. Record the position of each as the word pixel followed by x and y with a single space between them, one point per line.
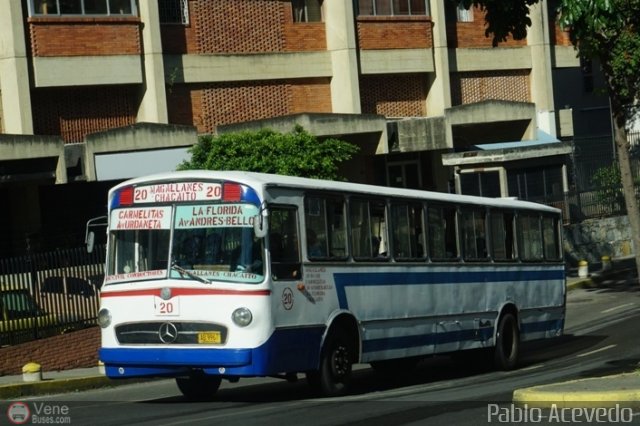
pixel 198 387
pixel 505 355
pixel 336 360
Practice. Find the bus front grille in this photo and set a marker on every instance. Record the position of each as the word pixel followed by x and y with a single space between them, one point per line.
pixel 171 332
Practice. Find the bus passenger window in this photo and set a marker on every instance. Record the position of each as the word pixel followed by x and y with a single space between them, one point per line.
pixel 472 224
pixel 442 233
pixel 550 235
pixel 284 244
pixel 406 226
pixel 501 232
pixel 326 235
pixel 368 229
pixel 529 237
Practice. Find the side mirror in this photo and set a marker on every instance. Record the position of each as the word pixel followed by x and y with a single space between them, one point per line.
pixel 91 237
pixel 260 225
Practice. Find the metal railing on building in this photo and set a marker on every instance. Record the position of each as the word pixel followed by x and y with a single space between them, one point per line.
pixel 49 293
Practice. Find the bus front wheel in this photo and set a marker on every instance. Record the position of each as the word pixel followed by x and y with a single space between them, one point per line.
pixel 198 387
pixel 505 355
pixel 333 376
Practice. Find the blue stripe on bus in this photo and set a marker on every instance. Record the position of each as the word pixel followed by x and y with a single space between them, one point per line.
pixel 367 279
pixel 431 339
pixel 536 327
pixel 441 338
pixel 286 350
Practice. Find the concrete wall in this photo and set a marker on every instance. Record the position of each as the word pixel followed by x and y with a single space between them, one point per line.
pixel 594 238
pixel 140 137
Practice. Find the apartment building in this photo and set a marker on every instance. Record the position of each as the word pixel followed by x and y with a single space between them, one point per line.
pixel 96 91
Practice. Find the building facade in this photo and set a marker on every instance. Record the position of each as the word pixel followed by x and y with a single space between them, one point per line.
pixel 93 92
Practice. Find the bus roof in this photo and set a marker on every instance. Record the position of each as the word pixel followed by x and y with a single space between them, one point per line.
pixel 263 181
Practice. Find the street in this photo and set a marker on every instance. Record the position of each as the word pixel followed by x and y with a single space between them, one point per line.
pixel 600 338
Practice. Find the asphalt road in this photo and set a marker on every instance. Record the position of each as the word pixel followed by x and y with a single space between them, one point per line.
pixel 600 338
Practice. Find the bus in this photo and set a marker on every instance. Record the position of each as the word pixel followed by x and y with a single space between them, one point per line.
pixel 214 275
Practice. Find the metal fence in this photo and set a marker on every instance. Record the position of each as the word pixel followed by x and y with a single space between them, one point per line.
pixel 585 200
pixel 45 294
pixel 578 205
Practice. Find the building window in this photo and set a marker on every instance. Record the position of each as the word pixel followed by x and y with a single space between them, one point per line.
pixel 173 11
pixel 464 15
pixel 587 75
pixel 393 7
pixel 540 184
pixel 307 10
pixel 82 7
pixel 404 174
pixel 484 184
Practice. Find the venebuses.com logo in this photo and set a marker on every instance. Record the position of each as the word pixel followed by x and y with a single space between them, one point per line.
pixel 20 413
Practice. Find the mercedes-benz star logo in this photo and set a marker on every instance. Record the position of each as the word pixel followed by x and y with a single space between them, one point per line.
pixel 168 332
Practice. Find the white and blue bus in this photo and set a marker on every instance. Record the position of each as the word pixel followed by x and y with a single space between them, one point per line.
pixel 223 275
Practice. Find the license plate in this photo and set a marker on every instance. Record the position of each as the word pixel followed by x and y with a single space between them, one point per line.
pixel 208 337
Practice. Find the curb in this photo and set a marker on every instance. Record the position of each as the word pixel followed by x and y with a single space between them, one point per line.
pixel 61 385
pixel 594 279
pixel 545 396
pixel 582 283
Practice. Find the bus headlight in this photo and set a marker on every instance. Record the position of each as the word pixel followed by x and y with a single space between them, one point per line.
pixel 104 318
pixel 242 317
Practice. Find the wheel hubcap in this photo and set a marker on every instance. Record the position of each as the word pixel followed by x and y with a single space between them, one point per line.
pixel 341 361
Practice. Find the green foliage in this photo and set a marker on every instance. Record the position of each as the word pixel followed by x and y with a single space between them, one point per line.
pixel 297 153
pixel 504 17
pixel 607 30
pixel 608 183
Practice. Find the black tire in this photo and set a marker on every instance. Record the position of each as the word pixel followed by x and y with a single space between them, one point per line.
pixel 505 355
pixel 198 387
pixel 336 361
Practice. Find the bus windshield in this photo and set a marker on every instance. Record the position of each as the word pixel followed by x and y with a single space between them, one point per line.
pixel 199 242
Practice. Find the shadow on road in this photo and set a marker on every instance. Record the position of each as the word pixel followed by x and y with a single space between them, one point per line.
pixel 429 371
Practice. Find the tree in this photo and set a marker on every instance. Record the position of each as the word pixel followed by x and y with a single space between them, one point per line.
pixel 604 30
pixel 297 153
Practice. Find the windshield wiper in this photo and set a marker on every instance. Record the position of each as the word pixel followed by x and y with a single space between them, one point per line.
pixel 189 274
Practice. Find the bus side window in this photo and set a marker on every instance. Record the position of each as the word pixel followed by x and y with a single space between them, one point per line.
pixel 284 244
pixel 323 231
pixel 368 229
pixel 442 236
pixel 529 237
pixel 551 237
pixel 406 228
pixel 501 232
pixel 472 225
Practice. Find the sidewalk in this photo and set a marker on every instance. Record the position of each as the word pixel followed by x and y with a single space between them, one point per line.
pixel 12 387
pixel 601 392
pixel 607 390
